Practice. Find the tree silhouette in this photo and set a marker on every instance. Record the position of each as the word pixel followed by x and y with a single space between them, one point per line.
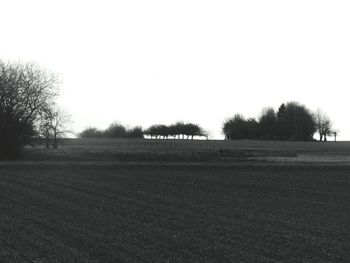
pixel 91 132
pixel 53 124
pixel 25 92
pixel 267 123
pixel 293 121
pixel 135 132
pixel 281 123
pixel 191 130
pixel 44 127
pixel 60 120
pixel 335 134
pixel 296 122
pixel 178 130
pixel 115 130
pixel 153 131
pixel 173 131
pixel 323 125
pixel 235 128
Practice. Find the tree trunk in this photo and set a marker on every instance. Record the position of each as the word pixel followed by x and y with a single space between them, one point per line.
pixel 55 141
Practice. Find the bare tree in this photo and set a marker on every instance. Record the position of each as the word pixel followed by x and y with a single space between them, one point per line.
pixel 323 125
pixel 60 121
pixel 44 126
pixel 25 91
pixel 54 122
pixel 335 133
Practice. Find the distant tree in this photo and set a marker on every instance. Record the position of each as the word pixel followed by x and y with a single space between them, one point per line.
pixel 298 123
pixel 53 125
pixel 191 130
pixel 91 132
pixel 206 134
pixel 150 132
pixel 173 131
pixel 45 126
pixel 267 123
pixel 154 131
pixel 293 121
pixel 135 132
pixel 323 125
pixel 202 133
pixel 252 129
pixel 25 91
pixel 178 130
pixel 282 127
pixel 166 131
pixel 115 130
pixel 60 119
pixel 235 128
pixel 163 130
pixel 335 134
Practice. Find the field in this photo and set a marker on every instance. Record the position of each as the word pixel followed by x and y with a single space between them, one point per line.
pixel 105 201
pixel 191 151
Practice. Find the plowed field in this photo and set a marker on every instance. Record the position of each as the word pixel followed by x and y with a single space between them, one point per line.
pixel 174 213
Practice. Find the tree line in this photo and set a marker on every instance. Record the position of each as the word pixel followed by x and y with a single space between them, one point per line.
pixel 179 130
pixel 28 110
pixel 115 130
pixel 291 122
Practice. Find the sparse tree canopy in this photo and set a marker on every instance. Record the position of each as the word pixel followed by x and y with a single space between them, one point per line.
pixel 323 125
pixel 25 92
pixel 53 125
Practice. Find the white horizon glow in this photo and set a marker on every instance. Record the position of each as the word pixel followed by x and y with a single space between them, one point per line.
pixel 147 62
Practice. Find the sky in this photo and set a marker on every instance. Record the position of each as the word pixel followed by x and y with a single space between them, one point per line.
pixel 146 62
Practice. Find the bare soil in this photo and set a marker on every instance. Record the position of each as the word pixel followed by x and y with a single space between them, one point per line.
pixel 232 210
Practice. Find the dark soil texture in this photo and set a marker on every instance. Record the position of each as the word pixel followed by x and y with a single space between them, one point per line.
pixel 177 213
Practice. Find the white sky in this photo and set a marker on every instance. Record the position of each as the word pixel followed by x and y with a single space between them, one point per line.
pixel 145 62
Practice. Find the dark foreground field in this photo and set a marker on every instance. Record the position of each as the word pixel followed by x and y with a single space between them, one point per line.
pixel 174 213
